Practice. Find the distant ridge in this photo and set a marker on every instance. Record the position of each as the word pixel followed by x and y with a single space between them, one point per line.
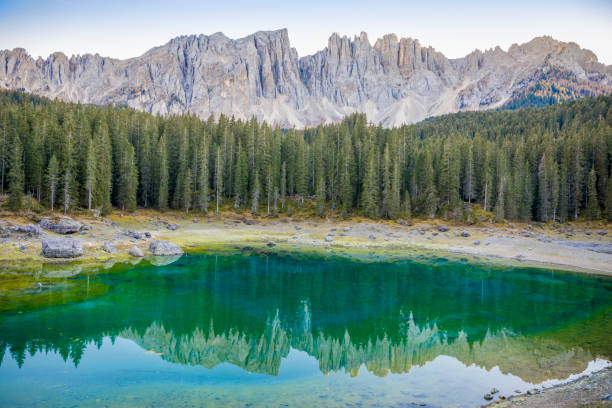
pixel 393 81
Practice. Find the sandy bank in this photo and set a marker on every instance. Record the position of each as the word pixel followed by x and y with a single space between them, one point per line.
pixel 576 247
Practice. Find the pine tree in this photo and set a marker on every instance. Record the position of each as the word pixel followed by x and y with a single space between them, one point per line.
pixel 256 193
pixel 394 207
pixel 321 195
pixel 592 207
pixel 90 173
pixel 15 176
pixel 500 202
pixel 283 186
pixel 52 179
pixel 203 183
pixel 162 174
pixel 468 180
pixel 187 191
pixel 407 205
pixel 241 179
pixel 609 199
pixel 370 188
pixel 219 178
pixel 430 203
pixel 103 185
pixel 387 195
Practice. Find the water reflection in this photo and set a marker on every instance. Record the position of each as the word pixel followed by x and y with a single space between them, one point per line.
pixel 250 311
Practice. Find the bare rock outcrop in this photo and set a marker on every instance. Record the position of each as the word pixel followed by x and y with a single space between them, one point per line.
pixel 394 80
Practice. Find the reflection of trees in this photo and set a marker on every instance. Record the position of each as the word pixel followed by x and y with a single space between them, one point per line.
pixel 249 311
pixel 533 359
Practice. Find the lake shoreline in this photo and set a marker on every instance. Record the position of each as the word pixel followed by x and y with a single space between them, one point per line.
pixel 591 390
pixel 579 247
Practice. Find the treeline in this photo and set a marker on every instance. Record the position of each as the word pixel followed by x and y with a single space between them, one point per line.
pixel 533 164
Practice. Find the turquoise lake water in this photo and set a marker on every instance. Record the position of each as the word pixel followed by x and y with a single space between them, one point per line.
pixel 248 329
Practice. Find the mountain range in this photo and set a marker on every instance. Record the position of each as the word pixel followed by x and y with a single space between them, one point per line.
pixel 394 81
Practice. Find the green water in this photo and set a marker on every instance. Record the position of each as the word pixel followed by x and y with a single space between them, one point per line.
pixel 277 330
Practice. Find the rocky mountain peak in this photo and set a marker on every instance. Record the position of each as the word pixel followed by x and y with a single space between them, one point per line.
pixel 394 81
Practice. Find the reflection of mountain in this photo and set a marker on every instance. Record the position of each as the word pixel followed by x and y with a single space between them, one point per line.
pixel 250 311
pixel 532 359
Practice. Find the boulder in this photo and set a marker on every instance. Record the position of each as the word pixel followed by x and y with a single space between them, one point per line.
pixel 164 248
pixel 30 229
pixel 172 227
pixel 372 236
pixel 109 247
pixel 271 244
pixel 61 225
pixel 465 234
pixel 62 248
pixel 136 252
pixel 442 228
pixel 328 239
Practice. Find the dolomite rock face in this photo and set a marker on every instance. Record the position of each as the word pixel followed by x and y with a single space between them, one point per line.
pixel 393 81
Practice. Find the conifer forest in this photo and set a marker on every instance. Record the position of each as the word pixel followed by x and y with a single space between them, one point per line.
pixel 545 164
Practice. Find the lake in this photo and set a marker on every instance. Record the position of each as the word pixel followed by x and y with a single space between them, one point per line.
pixel 255 329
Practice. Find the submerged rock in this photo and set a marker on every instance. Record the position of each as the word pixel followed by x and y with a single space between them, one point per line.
pixel 165 248
pixel 62 248
pixel 62 225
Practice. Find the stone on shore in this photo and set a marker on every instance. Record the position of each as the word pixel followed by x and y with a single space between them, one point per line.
pixel 136 252
pixel 164 248
pixel 62 225
pixel 29 229
pixel 62 248
pixel 109 247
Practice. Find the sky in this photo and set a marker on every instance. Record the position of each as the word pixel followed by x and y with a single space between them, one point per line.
pixel 124 29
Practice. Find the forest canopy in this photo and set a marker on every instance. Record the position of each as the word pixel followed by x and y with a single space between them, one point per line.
pixel 546 164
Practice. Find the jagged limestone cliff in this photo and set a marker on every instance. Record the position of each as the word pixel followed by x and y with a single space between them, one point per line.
pixel 394 81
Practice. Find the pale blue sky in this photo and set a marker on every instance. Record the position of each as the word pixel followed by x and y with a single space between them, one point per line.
pixel 125 28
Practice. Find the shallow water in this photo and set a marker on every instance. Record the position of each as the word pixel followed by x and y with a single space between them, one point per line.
pixel 278 330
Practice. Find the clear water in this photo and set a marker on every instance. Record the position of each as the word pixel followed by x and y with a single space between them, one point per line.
pixel 244 330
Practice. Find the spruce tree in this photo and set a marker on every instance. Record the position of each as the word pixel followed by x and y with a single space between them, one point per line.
pixel 203 184
pixel 162 174
pixel 241 179
pixel 52 179
pixel 90 173
pixel 219 178
pixel 592 207
pixel 321 195
pixel 256 194
pixel 15 176
pixel 187 191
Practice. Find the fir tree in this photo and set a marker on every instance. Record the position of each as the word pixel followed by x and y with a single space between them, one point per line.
pixel 52 179
pixel 593 211
pixel 15 176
